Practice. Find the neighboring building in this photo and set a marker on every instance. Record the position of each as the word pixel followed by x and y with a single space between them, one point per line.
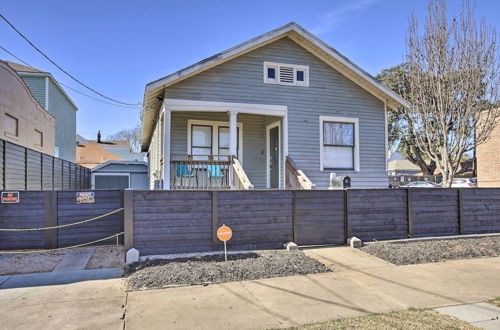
pixel 90 153
pixel 120 175
pixel 23 120
pixel 284 95
pixel 53 98
pixel 488 160
pixel 402 167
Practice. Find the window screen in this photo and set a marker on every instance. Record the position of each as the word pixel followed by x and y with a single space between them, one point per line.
pixel 201 140
pixel 338 145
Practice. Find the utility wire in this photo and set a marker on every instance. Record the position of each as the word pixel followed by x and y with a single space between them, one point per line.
pixel 66 72
pixel 73 89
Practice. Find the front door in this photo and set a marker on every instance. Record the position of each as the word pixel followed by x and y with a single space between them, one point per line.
pixel 274 157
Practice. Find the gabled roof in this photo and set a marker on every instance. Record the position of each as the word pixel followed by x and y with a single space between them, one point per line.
pixel 291 30
pixel 117 162
pixel 24 70
pixel 90 155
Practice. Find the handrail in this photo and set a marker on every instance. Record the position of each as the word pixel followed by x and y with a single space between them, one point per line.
pixel 240 177
pixel 295 178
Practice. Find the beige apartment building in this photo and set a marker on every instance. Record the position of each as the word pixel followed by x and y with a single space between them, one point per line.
pixel 23 120
pixel 488 160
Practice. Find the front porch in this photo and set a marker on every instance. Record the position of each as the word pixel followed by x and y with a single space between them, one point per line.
pixel 214 145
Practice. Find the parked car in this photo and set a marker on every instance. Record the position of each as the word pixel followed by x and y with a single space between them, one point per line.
pixel 421 184
pixel 464 183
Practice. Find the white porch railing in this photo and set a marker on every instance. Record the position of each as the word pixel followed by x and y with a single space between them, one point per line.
pixel 295 178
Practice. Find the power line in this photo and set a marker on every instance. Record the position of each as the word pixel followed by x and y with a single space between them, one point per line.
pixel 73 89
pixel 60 68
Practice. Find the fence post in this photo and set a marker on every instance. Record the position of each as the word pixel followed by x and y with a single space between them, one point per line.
pixel 460 212
pixel 409 200
pixel 215 219
pixel 346 215
pixel 50 217
pixel 294 217
pixel 128 218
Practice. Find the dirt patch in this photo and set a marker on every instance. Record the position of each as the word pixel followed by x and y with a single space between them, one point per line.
pixel 434 251
pixel 411 319
pixel 158 274
pixel 107 257
pixel 38 262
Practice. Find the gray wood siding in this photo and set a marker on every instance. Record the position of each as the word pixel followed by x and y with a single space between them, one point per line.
pixel 329 93
pixel 65 114
pixel 36 86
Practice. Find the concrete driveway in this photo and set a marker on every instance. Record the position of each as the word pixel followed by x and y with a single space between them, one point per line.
pixel 361 284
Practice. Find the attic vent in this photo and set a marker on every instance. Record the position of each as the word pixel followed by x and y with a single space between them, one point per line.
pixel 286 74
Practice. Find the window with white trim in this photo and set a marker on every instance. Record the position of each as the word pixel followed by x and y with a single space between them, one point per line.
pixel 211 138
pixel 339 144
pixel 286 74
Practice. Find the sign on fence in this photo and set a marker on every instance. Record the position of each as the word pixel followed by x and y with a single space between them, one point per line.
pixel 10 197
pixel 86 197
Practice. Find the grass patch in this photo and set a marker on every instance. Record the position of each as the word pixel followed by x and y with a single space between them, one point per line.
pixel 412 318
pixel 495 301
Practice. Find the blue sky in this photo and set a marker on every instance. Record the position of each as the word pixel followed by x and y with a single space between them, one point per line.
pixel 117 47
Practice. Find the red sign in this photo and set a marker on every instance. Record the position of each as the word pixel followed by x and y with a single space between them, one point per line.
pixel 10 197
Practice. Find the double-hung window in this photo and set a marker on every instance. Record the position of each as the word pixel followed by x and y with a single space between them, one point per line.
pixel 211 138
pixel 339 144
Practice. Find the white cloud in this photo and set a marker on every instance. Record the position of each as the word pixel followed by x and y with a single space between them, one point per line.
pixel 333 19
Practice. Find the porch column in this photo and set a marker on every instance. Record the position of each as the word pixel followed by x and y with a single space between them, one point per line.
pixel 233 132
pixel 167 117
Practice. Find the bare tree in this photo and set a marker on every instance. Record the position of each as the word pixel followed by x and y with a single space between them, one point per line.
pixel 133 135
pixel 454 84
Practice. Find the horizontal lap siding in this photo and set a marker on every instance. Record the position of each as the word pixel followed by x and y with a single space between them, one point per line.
pixel 28 213
pixel 435 212
pixel 377 214
pixel 329 94
pixel 69 212
pixel 319 217
pixel 172 222
pixel 259 219
pixel 481 210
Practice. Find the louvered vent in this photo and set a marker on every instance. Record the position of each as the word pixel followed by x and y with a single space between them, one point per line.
pixel 286 74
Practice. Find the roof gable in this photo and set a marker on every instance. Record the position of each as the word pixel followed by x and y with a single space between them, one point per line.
pixel 299 35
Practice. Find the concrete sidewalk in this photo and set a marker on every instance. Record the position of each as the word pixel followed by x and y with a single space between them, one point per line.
pixel 362 284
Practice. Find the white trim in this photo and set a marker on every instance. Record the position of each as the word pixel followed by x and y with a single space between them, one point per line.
pixel 215 135
pixel 295 68
pixel 167 138
pixel 357 142
pixel 268 156
pixel 47 93
pixel 386 138
pixel 93 175
pixel 206 106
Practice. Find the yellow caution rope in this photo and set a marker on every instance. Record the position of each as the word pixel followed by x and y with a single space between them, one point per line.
pixel 63 248
pixel 66 225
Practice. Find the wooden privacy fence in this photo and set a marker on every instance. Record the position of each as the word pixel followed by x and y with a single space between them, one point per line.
pixel 27 169
pixel 37 209
pixel 162 222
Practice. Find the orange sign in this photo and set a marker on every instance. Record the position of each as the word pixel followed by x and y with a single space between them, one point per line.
pixel 224 233
pixel 10 197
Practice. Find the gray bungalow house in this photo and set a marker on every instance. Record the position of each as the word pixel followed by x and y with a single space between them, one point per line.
pixel 280 111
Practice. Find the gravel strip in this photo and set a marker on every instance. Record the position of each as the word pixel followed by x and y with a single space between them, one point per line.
pixel 435 251
pixel 157 274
